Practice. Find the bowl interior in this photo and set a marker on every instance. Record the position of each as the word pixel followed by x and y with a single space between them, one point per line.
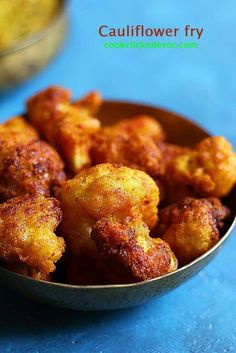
pixel 179 130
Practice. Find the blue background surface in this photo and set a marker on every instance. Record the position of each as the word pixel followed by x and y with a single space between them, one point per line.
pixel 199 316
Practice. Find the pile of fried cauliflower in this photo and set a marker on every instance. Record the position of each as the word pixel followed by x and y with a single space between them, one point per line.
pixel 115 204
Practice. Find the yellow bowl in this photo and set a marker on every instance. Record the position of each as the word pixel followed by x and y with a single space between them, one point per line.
pixel 31 54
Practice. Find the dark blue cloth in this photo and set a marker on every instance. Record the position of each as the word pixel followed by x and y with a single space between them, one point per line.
pixel 198 317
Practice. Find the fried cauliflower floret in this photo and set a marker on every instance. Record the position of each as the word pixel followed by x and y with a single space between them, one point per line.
pixel 128 253
pixel 130 143
pixel 66 127
pixel 27 232
pixel 33 168
pixel 92 102
pixel 169 152
pixel 134 151
pixel 170 190
pixel 27 165
pixel 16 131
pixel 192 227
pixel 143 125
pixel 210 168
pixel 101 191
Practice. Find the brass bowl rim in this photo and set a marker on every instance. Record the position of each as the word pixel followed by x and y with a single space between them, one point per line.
pixel 156 279
pixel 37 36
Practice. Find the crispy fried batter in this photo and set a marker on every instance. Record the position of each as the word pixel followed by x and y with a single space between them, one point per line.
pixel 16 131
pixel 169 152
pixel 109 209
pixel 170 190
pixel 128 253
pixel 143 125
pixel 67 127
pixel 33 168
pixel 27 226
pixel 210 168
pixel 131 143
pixel 191 227
pixel 134 151
pixel 92 102
pixel 101 191
pixel 27 165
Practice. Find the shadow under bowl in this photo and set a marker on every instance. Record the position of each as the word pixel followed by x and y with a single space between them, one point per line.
pixel 107 297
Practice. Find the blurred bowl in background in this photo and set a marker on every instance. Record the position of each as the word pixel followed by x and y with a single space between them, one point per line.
pixel 33 52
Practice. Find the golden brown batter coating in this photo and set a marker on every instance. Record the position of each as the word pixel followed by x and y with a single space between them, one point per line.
pixel 133 151
pixel 109 209
pixel 132 143
pixel 191 227
pixel 91 102
pixel 16 131
pixel 170 190
pixel 34 168
pixel 169 152
pixel 128 253
pixel 67 127
pixel 210 168
pixel 143 125
pixel 27 232
pixel 102 191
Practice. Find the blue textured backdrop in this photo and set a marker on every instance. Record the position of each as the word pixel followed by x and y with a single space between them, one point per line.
pixel 199 316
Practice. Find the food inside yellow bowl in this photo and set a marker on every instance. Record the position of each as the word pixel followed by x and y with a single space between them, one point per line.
pixel 22 18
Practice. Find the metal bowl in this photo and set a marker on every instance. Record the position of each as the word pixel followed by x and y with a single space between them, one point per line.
pixel 31 54
pixel 106 297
